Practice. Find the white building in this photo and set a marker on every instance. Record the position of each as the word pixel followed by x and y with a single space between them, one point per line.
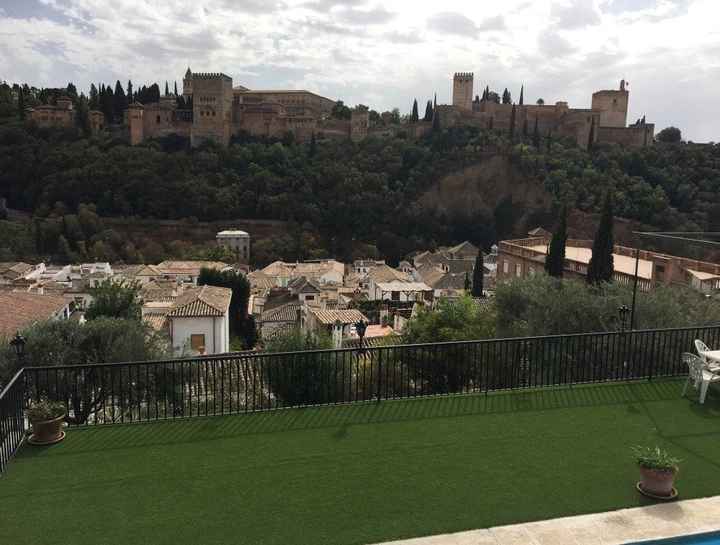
pixel 237 241
pixel 199 321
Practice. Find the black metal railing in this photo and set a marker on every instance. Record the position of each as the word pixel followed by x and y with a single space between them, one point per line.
pixel 217 385
pixel 12 417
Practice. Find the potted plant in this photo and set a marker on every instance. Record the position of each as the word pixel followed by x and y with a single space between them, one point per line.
pixel 47 418
pixel 657 472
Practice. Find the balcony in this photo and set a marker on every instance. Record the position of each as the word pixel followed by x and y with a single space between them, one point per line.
pixel 365 472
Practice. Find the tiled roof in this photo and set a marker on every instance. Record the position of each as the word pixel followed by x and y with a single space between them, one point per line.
pixel 403 286
pixel 20 310
pixel 205 301
pixel 189 267
pixel 283 313
pixel 156 321
pixel 260 280
pixel 385 273
pixel 349 316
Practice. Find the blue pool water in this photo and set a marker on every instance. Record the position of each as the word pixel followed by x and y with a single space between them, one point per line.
pixel 700 539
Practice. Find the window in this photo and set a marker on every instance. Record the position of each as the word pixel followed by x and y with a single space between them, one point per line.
pixel 518 269
pixel 197 342
pixel 309 297
pixel 506 267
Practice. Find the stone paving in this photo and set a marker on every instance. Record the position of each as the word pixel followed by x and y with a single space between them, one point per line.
pixel 620 527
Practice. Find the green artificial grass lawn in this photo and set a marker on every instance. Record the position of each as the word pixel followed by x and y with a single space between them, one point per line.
pixel 358 474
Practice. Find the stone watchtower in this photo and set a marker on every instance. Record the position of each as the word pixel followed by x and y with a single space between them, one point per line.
pixel 135 122
pixel 359 123
pixel 612 105
pixel 212 108
pixel 187 84
pixel 463 90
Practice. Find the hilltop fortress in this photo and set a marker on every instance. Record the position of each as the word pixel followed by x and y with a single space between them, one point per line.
pixel 604 121
pixel 218 111
pixel 211 109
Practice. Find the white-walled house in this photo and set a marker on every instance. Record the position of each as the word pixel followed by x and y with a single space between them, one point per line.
pixel 199 322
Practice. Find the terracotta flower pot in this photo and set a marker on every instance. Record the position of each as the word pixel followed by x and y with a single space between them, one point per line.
pixel 47 432
pixel 656 482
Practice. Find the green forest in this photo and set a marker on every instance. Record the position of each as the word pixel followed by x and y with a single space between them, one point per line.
pixel 342 199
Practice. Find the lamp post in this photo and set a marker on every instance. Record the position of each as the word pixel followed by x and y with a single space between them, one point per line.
pixel 623 311
pixel 18 344
pixel 360 328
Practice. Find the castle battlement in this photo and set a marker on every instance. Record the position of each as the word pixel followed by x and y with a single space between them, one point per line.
pixel 464 74
pixel 211 75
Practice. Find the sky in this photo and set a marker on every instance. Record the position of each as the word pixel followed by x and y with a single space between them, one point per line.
pixel 385 54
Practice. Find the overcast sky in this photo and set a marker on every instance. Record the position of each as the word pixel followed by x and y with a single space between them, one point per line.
pixel 384 54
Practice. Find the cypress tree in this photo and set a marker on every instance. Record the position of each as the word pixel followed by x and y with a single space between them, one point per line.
pixel 428 111
pixel 536 135
pixel 313 146
pixel 167 90
pixel 591 136
pixel 555 259
pixel 175 89
pixel 119 101
pixel 467 282
pixel 21 102
pixel 94 103
pixel 601 266
pixel 130 97
pixel 435 103
pixel 506 98
pixel 436 120
pixel 513 113
pixel 415 116
pixel 522 92
pixel 478 275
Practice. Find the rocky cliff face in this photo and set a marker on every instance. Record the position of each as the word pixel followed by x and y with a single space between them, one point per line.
pixel 492 188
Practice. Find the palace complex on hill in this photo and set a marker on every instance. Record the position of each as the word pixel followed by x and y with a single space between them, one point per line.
pixel 212 109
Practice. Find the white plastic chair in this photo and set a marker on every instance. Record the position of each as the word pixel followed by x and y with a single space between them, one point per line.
pixel 699 375
pixel 701 348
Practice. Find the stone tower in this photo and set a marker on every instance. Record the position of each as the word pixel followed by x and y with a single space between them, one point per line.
pixel 187 84
pixel 359 122
pixel 612 105
pixel 135 122
pixel 463 90
pixel 212 108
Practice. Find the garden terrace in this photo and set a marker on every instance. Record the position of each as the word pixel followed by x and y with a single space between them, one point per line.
pixel 134 462
pixel 358 473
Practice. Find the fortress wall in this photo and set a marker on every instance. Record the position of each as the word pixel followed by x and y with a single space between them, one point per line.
pixel 633 136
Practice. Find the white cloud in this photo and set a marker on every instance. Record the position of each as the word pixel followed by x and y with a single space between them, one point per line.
pixel 385 54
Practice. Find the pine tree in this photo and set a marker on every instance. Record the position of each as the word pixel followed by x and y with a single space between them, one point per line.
pixel 513 113
pixel 478 276
pixel 428 111
pixel 130 97
pixel 175 89
pixel 555 259
pixel 21 102
pixel 601 266
pixel 167 90
pixel 536 135
pixel 522 92
pixel 414 116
